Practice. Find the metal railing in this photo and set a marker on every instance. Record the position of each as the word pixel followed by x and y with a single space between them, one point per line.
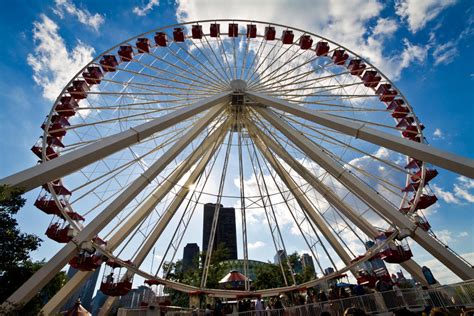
pixel 448 296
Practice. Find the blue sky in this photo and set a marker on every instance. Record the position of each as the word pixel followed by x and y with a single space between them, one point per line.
pixel 425 46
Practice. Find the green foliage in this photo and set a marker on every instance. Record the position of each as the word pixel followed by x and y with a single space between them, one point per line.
pixel 268 276
pixel 15 247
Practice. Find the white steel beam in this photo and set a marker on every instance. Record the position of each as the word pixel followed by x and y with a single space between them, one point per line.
pixel 302 200
pixel 58 300
pixel 369 196
pixel 61 166
pixel 333 199
pixel 50 269
pixel 449 161
pixel 147 246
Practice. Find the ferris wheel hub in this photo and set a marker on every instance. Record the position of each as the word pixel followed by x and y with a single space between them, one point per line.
pixel 238 85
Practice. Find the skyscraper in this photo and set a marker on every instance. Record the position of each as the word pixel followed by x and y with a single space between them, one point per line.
pixel 225 230
pixel 190 254
pixel 279 256
pixel 307 261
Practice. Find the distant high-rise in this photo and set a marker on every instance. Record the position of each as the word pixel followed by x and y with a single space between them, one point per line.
pixel 85 292
pixel 190 257
pixel 307 261
pixel 280 256
pixel 225 231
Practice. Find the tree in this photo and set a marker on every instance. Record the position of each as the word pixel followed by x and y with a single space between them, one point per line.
pixel 15 247
pixel 268 276
pixel 16 266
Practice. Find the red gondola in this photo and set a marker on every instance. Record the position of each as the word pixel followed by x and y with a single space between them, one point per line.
pixel 93 75
pixel 178 34
pixel 430 174
pixel 322 48
pixel 126 53
pixel 233 30
pixel 160 39
pixel 57 126
pixel 406 121
pixel 339 57
pixel 49 205
pixel 410 131
pixel 306 42
pixel 196 31
pixel 413 163
pixel 395 251
pixel 287 37
pixel 386 93
pixel 395 103
pixel 117 285
pixel 371 79
pixel 50 152
pixel 425 201
pixel 400 112
pixel 109 63
pixel 143 45
pixel 251 31
pixel 58 188
pixel 79 89
pixel 356 67
pixel 270 33
pixel 421 222
pixel 215 30
pixel 363 276
pixel 60 233
pixel 85 261
pixel 67 106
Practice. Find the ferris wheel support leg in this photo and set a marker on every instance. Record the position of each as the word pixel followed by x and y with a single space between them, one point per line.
pixel 58 300
pixel 31 287
pixel 302 200
pixel 167 216
pixel 411 266
pixel 61 166
pixel 369 196
pixel 424 152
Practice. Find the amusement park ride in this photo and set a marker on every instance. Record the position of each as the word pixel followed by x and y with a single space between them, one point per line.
pixel 133 138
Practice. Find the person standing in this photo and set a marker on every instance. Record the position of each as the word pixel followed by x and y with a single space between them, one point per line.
pixel 259 308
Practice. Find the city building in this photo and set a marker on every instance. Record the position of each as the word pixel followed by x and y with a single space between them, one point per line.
pixel 85 293
pixel 279 256
pixel 307 261
pixel 190 257
pixel 328 271
pixel 225 231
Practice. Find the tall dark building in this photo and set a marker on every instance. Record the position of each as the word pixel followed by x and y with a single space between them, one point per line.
pixel 225 231
pixel 279 256
pixel 190 252
pixel 85 292
pixel 307 261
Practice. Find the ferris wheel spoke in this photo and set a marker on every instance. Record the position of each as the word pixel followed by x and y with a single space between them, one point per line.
pixel 261 47
pixel 212 234
pixel 218 74
pixel 206 83
pixel 217 59
pixel 270 215
pixel 209 74
pixel 260 63
pixel 304 205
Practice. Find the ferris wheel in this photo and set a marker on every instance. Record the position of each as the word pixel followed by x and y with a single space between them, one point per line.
pixel 290 128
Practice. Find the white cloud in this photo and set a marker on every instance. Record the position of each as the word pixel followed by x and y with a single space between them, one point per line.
pixel 445 236
pixel 438 134
pixel 147 8
pixel 84 16
pixel 445 54
pixel 419 12
pixel 461 191
pixel 256 245
pixel 441 273
pixel 446 196
pixel 462 234
pixel 346 22
pixel 385 26
pixel 53 65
